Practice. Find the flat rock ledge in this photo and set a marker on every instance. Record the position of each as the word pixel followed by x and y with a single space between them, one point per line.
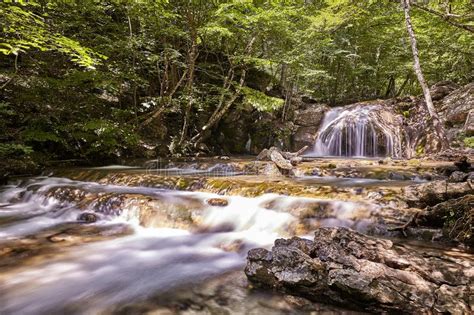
pixel 347 268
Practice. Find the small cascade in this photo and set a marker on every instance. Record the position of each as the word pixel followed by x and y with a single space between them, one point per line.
pixel 360 130
pixel 146 241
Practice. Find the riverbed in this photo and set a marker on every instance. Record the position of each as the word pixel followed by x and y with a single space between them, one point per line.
pixel 174 239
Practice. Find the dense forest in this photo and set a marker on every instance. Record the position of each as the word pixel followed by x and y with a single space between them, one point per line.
pixel 104 80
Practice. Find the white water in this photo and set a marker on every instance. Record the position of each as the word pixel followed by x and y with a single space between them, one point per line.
pixel 359 131
pixel 92 278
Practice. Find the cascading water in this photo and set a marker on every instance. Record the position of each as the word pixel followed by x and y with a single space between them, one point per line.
pixel 172 239
pixel 360 130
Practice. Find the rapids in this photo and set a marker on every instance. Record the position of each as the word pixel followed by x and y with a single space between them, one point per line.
pixel 174 239
pixel 154 258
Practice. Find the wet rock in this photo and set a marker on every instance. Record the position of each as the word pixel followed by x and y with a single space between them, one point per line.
pixel 217 202
pixel 227 294
pixel 432 193
pixel 44 244
pixel 88 217
pixel 457 177
pixel 271 170
pixel 348 268
pixel 63 237
pixel 296 160
pixel 396 176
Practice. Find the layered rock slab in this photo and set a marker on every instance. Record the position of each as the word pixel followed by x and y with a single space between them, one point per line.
pixel 348 268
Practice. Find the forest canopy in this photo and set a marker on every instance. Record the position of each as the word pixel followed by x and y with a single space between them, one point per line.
pixel 94 79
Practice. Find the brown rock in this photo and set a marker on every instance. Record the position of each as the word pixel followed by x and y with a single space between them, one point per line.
pixel 304 136
pixel 263 155
pixel 217 202
pixel 441 89
pixel 455 217
pixel 87 217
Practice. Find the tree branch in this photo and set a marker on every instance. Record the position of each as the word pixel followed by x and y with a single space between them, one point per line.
pixel 445 17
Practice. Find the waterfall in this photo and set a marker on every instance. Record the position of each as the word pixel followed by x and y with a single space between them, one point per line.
pixel 361 130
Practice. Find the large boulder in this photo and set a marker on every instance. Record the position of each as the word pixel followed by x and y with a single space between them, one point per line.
pixel 456 106
pixel 345 267
pixel 311 116
pixel 455 217
pixel 441 89
pixel 304 136
pixel 432 193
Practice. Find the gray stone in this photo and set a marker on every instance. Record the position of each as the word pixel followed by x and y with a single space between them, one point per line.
pixel 311 116
pixel 456 106
pixel 457 177
pixel 279 160
pixel 439 90
pixel 345 267
pixel 432 193
pixel 469 124
pixel 304 136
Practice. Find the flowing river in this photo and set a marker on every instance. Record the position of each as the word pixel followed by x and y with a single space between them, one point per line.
pixel 147 244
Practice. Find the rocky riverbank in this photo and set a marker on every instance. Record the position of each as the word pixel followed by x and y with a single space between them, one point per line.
pixel 376 275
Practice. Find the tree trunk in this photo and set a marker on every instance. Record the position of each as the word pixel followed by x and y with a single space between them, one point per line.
pixel 132 47
pixel 222 109
pixel 446 17
pixel 400 90
pixel 436 123
pixel 192 56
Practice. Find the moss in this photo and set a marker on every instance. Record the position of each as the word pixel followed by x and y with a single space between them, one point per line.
pixel 420 150
pixel 414 162
pixel 469 142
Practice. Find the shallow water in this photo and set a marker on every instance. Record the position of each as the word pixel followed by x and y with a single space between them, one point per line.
pixel 355 182
pixel 150 242
pixel 92 277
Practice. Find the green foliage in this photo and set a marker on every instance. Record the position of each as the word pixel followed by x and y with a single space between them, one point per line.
pixel 260 101
pixel 9 150
pixel 337 51
pixel 31 135
pixel 469 142
pixel 23 30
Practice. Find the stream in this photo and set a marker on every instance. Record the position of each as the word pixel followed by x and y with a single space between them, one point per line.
pixel 152 248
